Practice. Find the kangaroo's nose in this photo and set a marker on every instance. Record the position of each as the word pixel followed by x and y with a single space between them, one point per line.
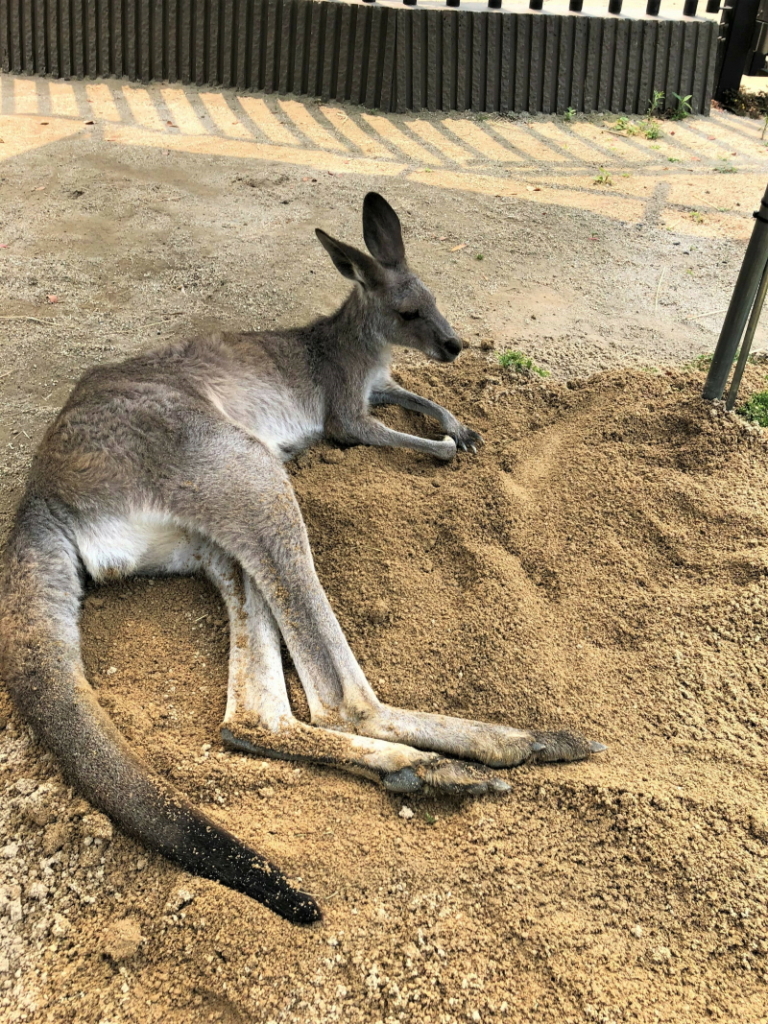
pixel 453 346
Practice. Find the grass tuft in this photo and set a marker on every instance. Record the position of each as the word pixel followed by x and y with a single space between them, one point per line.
pixel 513 360
pixel 756 408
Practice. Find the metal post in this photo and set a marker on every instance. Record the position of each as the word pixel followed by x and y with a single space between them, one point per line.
pixel 614 6
pixel 535 5
pixel 713 6
pixel 742 301
pixel 577 5
pixel 746 345
pixel 689 8
pixel 652 8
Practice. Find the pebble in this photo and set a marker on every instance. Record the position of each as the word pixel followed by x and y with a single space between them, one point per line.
pixel 97 826
pixel 121 940
pixel 10 851
pixel 60 927
pixel 36 891
pixel 378 611
pixel 637 931
pixel 55 837
pixel 179 899
pixel 25 786
pixel 405 812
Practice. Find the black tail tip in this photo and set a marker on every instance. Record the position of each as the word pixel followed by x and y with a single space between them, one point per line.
pixel 296 906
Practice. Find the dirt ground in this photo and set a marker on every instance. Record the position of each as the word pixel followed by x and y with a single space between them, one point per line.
pixel 601 565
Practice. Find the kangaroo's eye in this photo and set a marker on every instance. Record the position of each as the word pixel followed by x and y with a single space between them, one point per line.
pixel 410 314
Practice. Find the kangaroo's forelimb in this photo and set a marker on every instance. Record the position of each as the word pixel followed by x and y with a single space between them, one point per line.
pixel 392 394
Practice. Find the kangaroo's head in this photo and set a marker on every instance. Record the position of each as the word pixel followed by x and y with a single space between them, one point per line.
pixel 399 307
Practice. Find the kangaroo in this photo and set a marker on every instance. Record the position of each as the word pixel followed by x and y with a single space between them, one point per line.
pixel 172 462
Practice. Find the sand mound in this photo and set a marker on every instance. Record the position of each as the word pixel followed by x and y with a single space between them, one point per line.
pixel 601 565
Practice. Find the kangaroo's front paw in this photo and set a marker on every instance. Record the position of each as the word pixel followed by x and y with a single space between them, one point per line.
pixel 445 449
pixel 563 746
pixel 466 439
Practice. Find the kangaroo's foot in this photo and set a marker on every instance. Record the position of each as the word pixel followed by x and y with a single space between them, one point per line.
pixel 395 766
pixel 498 746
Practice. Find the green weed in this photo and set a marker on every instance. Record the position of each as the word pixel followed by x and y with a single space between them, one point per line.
pixel 756 408
pixel 683 108
pixel 513 360
pixel 656 104
pixel 569 115
pixel 696 217
pixel 603 178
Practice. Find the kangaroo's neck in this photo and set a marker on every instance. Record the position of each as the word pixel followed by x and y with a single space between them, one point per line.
pixel 356 331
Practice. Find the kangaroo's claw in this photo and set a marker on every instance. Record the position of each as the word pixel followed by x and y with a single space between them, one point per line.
pixel 562 746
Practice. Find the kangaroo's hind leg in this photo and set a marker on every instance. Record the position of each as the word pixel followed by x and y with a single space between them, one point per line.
pixel 258 717
pixel 247 507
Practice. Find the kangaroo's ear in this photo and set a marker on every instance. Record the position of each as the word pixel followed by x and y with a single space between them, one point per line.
pixel 350 262
pixel 381 231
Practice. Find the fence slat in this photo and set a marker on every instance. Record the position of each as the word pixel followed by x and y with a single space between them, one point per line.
pixel 343 69
pixel 522 62
pixel 579 66
pixel 326 63
pixel 662 59
pixel 536 73
pixel 493 64
pixel 635 47
pixel 565 64
pixel 690 34
pixel 620 62
pixel 607 53
pixel 387 98
pixel 674 62
pixel 592 76
pixel 448 65
pixel 709 78
pixel 507 82
pixel 403 62
pixel 374 47
pixel 551 53
pixel 360 54
pixel 477 30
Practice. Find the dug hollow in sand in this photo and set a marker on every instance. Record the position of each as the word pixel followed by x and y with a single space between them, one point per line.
pixel 172 463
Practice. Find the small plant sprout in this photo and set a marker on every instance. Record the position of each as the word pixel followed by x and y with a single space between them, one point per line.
pixel 701 362
pixel 569 115
pixel 651 130
pixel 755 408
pixel 696 217
pixel 655 106
pixel 513 360
pixel 429 818
pixel 603 178
pixel 479 256
pixel 683 108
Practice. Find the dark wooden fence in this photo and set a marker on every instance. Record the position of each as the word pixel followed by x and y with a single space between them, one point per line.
pixel 391 56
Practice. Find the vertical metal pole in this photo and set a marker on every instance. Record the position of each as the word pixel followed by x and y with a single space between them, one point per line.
pixel 746 345
pixel 742 300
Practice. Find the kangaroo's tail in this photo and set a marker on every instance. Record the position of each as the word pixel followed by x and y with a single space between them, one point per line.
pixel 40 593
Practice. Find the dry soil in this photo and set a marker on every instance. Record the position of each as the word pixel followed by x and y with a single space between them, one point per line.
pixel 600 565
